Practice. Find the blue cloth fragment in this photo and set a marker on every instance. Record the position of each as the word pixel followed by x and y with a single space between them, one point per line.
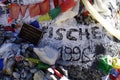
pixel 114 72
pixel 1 64
pixel 35 24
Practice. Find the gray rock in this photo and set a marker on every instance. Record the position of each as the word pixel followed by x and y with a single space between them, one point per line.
pixel 29 77
pixel 33 70
pixel 23 74
pixel 25 63
pixel 39 75
pixel 31 65
pixel 8 68
pixel 16 75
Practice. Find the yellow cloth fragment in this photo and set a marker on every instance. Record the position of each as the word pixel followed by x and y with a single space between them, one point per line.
pixel 116 63
pixel 45 17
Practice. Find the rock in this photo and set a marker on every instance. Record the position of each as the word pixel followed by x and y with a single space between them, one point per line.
pixel 16 75
pixel 47 55
pixel 5 48
pixel 9 65
pixel 7 78
pixel 23 74
pixel 25 63
pixel 29 77
pixel 39 75
pixel 31 65
pixel 33 70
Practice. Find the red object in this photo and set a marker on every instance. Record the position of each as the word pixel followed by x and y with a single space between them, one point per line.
pixel 14 11
pixel 18 58
pixel 118 70
pixel 9 29
pixel 112 77
pixel 57 73
pixel 44 7
pixel 118 78
pixel 86 13
pixel 4 1
pixel 58 2
pixel 23 9
pixel 10 20
pixel 91 1
pixel 67 5
pixel 34 10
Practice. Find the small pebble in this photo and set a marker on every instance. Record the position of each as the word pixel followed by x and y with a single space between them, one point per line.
pixel 23 74
pixel 39 75
pixel 25 63
pixel 33 70
pixel 16 75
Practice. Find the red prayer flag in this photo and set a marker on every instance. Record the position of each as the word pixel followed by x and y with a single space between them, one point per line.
pixel 14 11
pixel 23 9
pixel 44 7
pixel 67 5
pixel 58 2
pixel 34 10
